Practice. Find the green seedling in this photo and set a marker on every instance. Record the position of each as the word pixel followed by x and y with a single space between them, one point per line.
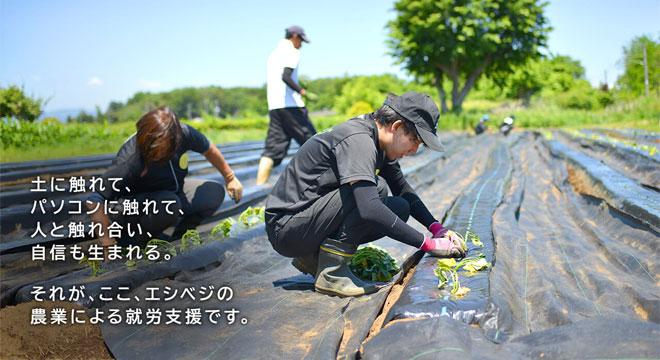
pixel 131 264
pixel 191 236
pixel 252 216
pixel 183 245
pixel 474 238
pixel 447 270
pixel 373 264
pixel 455 284
pixel 650 149
pixel 95 265
pixel 474 264
pixel 444 271
pixel 223 228
pixel 163 246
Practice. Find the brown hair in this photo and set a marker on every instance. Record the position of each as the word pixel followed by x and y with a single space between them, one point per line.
pixel 158 135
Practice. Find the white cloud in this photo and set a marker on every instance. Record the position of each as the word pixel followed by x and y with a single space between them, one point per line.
pixel 95 81
pixel 149 84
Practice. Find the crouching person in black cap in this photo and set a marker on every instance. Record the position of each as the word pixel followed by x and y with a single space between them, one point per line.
pixel 332 196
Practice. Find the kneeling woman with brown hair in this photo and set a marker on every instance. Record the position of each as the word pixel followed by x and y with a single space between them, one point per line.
pixel 146 183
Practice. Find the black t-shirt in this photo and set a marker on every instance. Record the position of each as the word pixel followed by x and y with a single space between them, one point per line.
pixel 169 176
pixel 346 153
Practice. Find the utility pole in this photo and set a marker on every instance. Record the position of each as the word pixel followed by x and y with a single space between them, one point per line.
pixel 646 74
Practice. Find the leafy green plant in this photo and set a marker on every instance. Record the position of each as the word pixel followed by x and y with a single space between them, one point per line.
pixel 252 216
pixel 373 264
pixel 163 246
pixel 191 236
pixel 223 228
pixel 95 265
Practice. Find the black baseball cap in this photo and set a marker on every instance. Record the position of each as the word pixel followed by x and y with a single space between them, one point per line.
pixel 295 29
pixel 420 110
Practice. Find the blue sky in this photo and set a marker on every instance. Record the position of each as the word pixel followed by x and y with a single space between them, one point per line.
pixel 85 53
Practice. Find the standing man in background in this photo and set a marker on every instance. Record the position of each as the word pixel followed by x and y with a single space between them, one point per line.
pixel 286 108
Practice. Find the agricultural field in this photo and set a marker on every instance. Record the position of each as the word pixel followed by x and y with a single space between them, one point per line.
pixel 51 139
pixel 561 229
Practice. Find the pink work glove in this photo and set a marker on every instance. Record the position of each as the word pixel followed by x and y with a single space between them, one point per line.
pixel 442 247
pixel 437 230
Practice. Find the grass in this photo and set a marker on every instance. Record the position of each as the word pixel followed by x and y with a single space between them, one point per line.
pixel 72 141
pixel 41 141
pixel 640 114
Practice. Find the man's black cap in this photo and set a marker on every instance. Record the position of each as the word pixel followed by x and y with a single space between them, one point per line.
pixel 295 29
pixel 421 111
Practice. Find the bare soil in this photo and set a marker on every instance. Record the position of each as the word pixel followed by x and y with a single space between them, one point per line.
pixel 20 340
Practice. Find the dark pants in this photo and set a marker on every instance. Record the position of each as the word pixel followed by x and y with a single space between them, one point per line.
pixel 334 216
pixel 286 124
pixel 198 200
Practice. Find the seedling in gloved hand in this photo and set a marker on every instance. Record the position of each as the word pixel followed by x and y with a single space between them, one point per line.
pixel 454 236
pixel 373 264
pixel 252 216
pixel 223 228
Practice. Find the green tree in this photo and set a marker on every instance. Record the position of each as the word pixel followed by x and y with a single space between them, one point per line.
pixel 459 40
pixel 548 76
pixel 559 73
pixel 14 103
pixel 82 117
pixel 372 90
pixel 524 81
pixel 631 82
pixel 113 111
pixel 328 89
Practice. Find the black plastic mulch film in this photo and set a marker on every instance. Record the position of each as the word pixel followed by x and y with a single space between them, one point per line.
pixel 574 274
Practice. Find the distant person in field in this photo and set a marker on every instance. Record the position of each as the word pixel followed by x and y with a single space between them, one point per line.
pixel 153 164
pixel 507 125
pixel 481 126
pixel 286 108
